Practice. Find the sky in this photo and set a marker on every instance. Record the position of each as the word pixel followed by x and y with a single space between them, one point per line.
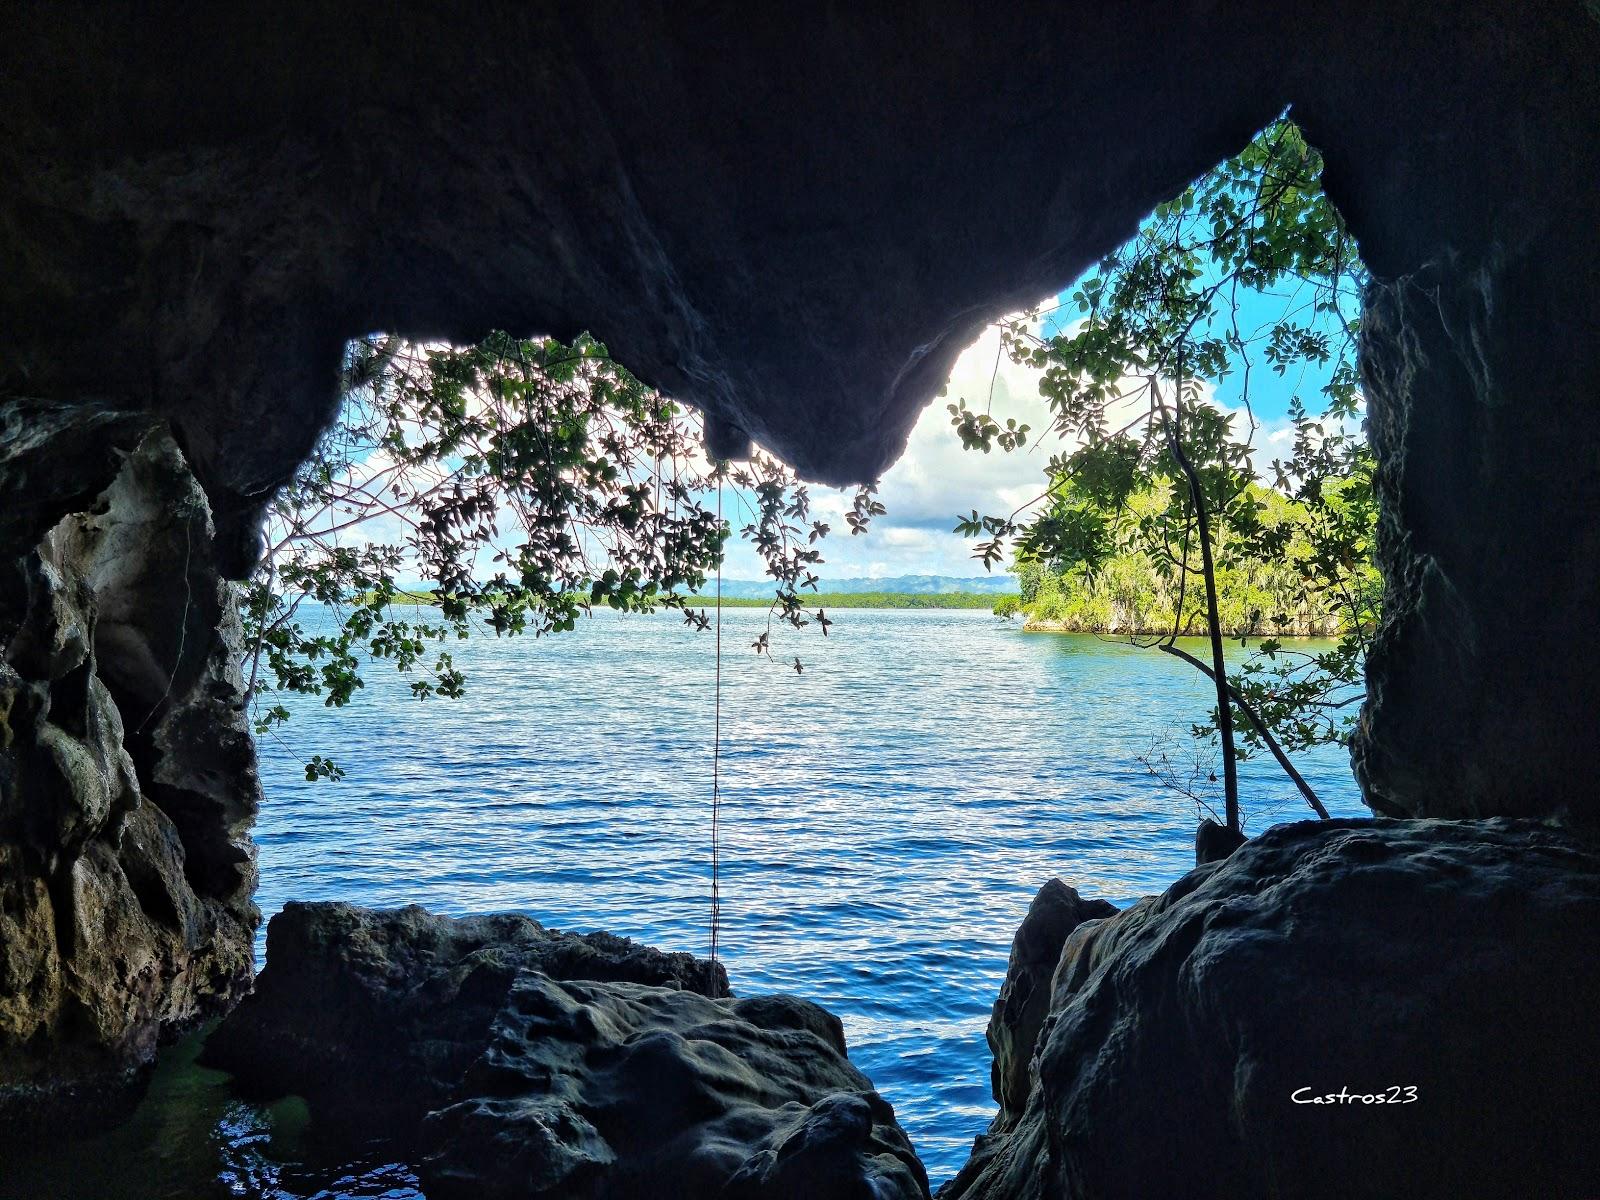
pixel 936 478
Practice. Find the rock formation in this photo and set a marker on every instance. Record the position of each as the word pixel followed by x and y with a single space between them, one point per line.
pixel 362 1009
pixel 793 220
pixel 796 222
pixel 1441 973
pixel 1024 999
pixel 522 1062
pixel 1488 454
pixel 127 777
pixel 1214 841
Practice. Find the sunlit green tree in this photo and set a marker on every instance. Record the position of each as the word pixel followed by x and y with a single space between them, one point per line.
pixel 1131 383
pixel 522 482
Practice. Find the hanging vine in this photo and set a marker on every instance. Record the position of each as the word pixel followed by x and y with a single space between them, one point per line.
pixel 507 487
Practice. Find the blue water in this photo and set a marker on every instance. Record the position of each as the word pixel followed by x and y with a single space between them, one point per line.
pixel 886 818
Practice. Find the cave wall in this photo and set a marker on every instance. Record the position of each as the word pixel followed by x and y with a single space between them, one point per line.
pixel 127 783
pixel 1478 210
pixel 794 220
pixel 1484 380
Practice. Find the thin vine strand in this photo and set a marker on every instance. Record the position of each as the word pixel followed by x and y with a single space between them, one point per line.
pixel 716 761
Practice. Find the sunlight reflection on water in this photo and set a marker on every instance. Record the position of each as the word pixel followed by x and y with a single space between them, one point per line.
pixel 887 815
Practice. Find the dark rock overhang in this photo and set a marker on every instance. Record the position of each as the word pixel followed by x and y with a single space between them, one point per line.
pixel 793 218
pixel 794 221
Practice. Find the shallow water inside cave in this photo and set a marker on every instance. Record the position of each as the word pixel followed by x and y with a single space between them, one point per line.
pixel 887 816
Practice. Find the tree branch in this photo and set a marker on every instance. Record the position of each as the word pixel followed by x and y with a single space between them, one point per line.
pixel 1260 726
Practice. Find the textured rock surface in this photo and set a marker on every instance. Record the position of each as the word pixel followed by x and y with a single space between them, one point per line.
pixel 55 458
pixel 127 783
pixel 1480 360
pixel 365 1009
pixel 1461 959
pixel 796 221
pixel 619 1090
pixel 523 1062
pixel 1213 842
pixel 1024 1000
pixel 1482 379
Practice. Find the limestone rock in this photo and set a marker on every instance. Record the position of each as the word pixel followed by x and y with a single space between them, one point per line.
pixel 55 458
pixel 1214 841
pixel 1024 1000
pixel 620 1090
pixel 124 914
pixel 518 1061
pixel 1487 449
pixel 365 1010
pixel 838 1149
pixel 1187 1034
pixel 167 639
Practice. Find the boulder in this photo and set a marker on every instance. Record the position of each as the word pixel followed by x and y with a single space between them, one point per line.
pixel 511 1060
pixel 622 1090
pixel 1214 841
pixel 1024 1000
pixel 1341 1009
pixel 376 1014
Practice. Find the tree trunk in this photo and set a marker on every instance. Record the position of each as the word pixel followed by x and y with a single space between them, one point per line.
pixel 1254 718
pixel 1230 766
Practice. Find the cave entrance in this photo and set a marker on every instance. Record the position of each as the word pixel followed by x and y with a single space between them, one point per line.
pixel 511 486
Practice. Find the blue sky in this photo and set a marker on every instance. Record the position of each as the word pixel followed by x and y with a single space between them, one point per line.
pixel 936 478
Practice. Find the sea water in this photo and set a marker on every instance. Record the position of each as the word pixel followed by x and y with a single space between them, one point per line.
pixel 886 815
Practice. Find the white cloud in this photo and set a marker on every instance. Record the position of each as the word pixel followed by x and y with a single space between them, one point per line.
pixel 933 481
pixel 936 479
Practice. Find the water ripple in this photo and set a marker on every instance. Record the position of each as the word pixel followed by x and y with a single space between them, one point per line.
pixel 887 816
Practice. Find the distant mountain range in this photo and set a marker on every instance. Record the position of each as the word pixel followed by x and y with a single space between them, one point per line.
pixel 997 584
pixel 910 585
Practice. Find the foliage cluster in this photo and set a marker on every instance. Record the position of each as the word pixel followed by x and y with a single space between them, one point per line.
pixel 1128 594
pixel 527 480
pixel 1157 468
